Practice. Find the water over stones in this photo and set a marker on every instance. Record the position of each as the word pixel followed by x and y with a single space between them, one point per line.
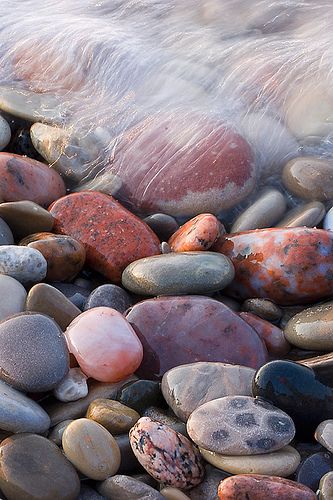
pixel 310 178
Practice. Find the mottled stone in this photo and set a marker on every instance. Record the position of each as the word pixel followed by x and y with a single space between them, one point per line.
pixel 282 463
pixel 210 332
pixel 167 418
pixel 46 299
pixel 24 264
pixel 113 236
pixel 26 217
pixel 178 273
pixel 141 395
pixel 308 215
pixel 100 457
pixel 25 179
pixel 6 235
pixel 122 487
pixel 324 434
pixel 114 416
pixel 165 454
pixel 33 352
pixel 72 387
pixel 261 487
pixel 265 309
pixel 288 266
pixel 188 386
pixel 198 234
pixel 313 468
pixel 326 487
pixel 57 431
pixel 162 224
pixel 274 337
pixel 104 344
pixel 109 296
pixel 309 177
pixel 5 133
pixel 31 465
pixel 13 296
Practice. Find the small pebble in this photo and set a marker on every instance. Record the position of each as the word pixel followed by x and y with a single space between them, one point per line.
pixel 324 434
pixel 173 494
pixel 109 296
pixel 122 487
pixel 5 133
pixel 13 296
pixel 313 468
pixel 274 338
pixel 264 308
pixel 6 235
pixel 198 234
pixel 22 263
pixel 26 217
pixel 72 387
pixel 309 178
pixel 114 416
pixel 57 431
pixel 162 224
pixel 326 487
pixel 310 215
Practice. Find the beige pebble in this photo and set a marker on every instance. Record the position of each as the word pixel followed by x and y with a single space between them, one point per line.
pixel 173 494
pixel 326 487
pixel 114 416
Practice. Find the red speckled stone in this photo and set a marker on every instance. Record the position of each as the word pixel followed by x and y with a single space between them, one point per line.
pixel 288 266
pixel 199 233
pixel 179 330
pixel 259 487
pixel 275 341
pixel 113 236
pixel 185 164
pixel 22 178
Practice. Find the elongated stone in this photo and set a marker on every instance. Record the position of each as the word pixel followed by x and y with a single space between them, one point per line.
pixel 308 215
pixel 309 178
pixel 124 487
pixel 26 217
pixel 198 234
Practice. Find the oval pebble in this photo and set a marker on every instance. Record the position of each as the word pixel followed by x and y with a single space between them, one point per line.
pixel 265 309
pixel 5 133
pixel 24 264
pixel 114 416
pixel 72 387
pixel 25 217
pixel 309 177
pixel 109 296
pixel 198 234
pixel 310 215
pixel 328 220
pixel 123 487
pixel 326 486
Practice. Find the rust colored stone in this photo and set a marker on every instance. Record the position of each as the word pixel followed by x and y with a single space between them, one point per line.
pixel 275 341
pixel 199 233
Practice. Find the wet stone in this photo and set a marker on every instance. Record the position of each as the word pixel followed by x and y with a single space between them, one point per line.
pixel 265 309
pixel 13 296
pixel 326 486
pixel 6 235
pixel 124 487
pixel 26 217
pixel 23 264
pixel 109 296
pixel 142 394
pixel 72 387
pixel 114 416
pixel 310 215
pixel 196 235
pixel 324 434
pixel 313 468
pixel 162 224
pixel 240 425
pixel 309 178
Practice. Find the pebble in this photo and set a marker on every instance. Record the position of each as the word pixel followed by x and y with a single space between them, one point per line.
pixel 178 273
pixel 113 236
pixel 26 217
pixel 6 235
pixel 309 178
pixel 173 494
pixel 162 224
pixel 75 294
pixel 23 264
pixel 109 296
pixel 25 179
pixel 208 488
pixel 123 487
pixel 326 487
pixel 72 387
pixel 33 352
pixel 210 332
pixel 165 454
pixel 189 386
pixel 198 234
pixel 328 220
pixel 274 337
pixel 64 255
pixel 57 431
pixel 324 434
pixel 114 416
pixel 32 465
pixel 104 344
pixel 265 309
pixel 129 463
pixel 91 449
pixel 5 133
pixel 313 468
pixel 240 425
pixel 166 417
pixel 265 211
pixel 46 299
pixel 310 215
pixel 261 487
pixel 13 297
pixel 142 394
pixel 282 463
pixel 306 274
pixel 87 493
pixel 21 141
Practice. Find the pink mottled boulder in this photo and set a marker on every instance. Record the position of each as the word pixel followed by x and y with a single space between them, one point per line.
pixel 179 330
pixel 275 341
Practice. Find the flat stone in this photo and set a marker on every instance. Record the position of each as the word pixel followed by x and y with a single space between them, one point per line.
pixel 274 338
pixel 6 235
pixel 25 217
pixel 324 434
pixel 142 394
pixel 124 487
pixel 33 352
pixel 210 332
pixel 162 224
pixel 240 425
pixel 113 236
pixel 189 386
pixel 282 463
pixel 23 264
pixel 13 296
pixel 198 234
pixel 72 387
pixel 313 468
pixel 114 416
pixel 326 486
pixel 178 273
pixel 309 178
pixel 100 458
pixel 31 464
pixel 310 215
pixel 109 296
pixel 46 299
pixel 165 454
pixel 265 309
pixel 5 133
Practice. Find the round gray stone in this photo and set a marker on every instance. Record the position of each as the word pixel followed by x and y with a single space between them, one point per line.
pixel 5 133
pixel 22 263
pixel 109 296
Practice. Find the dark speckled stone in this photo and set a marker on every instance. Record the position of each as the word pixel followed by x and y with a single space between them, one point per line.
pixel 109 296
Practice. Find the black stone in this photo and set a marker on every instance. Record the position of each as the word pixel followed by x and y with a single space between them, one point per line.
pixel 109 296
pixel 162 224
pixel 313 468
pixel 141 395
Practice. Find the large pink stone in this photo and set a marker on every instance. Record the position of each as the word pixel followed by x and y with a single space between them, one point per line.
pixel 104 344
pixel 179 330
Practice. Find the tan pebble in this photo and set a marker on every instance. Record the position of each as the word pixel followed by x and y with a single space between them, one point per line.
pixel 173 494
pixel 114 416
pixel 326 487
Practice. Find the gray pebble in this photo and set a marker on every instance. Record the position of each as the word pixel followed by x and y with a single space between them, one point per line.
pixel 5 133
pixel 264 308
pixel 6 235
pixel 109 296
pixel 125 487
pixel 308 215
pixel 163 225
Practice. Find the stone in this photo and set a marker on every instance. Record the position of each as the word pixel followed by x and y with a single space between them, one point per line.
pixel 282 463
pixel 113 237
pixel 5 133
pixel 104 344
pixel 311 329
pixel 198 234
pixel 87 493
pixel 261 487
pixel 114 416
pixel 208 488
pixel 26 217
pixel 173 494
pixel 129 463
pixel 23 264
pixel 240 425
pixel 47 299
pixel 210 332
pixel 64 255
pixel 324 434
pixel 296 390
pixel 264 212
pixel 21 141
pixel 100 457
pixel 125 487
pixel 167 418
pixel 326 486
pixel 165 454
pixel 189 386
pixel 57 431
pixel 274 337
pixel 6 235
pixel 18 413
pixel 306 274
pixel 33 352
pixel 72 387
pixel 328 220
pixel 313 468
pixel 25 179
pixel 75 294
pixel 265 309
pixel 178 273
pixel 141 395
pixel 165 247
pixel 309 178
pixel 109 296
pixel 310 215
pixel 31 465
pixel 13 296
pixel 162 224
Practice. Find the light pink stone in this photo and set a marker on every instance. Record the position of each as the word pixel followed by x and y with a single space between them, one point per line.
pixel 104 344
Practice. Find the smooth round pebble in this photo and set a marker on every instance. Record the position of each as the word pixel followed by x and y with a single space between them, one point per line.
pixel 123 487
pixel 13 296
pixel 114 416
pixel 26 217
pixel 72 387
pixel 162 224
pixel 91 449
pixel 324 434
pixel 5 133
pixel 109 296
pixel 313 468
pixel 173 494
pixel 326 487
pixel 196 235
pixel 22 263
pixel 265 309
pixel 309 177
pixel 6 235
pixel 310 215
